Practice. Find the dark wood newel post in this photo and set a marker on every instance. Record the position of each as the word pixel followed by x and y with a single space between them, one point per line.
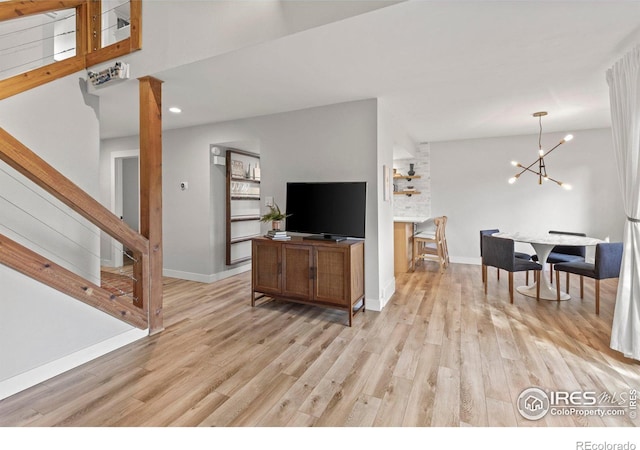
pixel 151 191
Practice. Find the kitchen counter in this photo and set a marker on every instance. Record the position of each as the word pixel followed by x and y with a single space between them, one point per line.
pixel 411 219
pixel 403 230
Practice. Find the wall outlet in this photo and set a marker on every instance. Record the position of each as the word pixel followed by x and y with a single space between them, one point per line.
pixel 184 185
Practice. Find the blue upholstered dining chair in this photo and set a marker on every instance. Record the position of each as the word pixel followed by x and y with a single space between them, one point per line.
pixel 519 255
pixel 564 253
pixel 607 261
pixel 500 253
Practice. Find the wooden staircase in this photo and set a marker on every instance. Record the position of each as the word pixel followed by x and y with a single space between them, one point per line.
pixel 28 262
pixel 145 309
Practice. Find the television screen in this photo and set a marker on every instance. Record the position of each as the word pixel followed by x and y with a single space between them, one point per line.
pixel 330 209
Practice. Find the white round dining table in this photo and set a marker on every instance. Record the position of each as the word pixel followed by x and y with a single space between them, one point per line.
pixel 543 243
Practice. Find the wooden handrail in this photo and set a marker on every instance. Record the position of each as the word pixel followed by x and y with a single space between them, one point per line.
pixel 34 168
pixel 13 9
pixel 26 162
pixel 29 263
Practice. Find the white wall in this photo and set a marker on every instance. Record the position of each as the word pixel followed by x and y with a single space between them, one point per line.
pixel 331 143
pixel 44 332
pixel 59 122
pixel 390 135
pixel 469 185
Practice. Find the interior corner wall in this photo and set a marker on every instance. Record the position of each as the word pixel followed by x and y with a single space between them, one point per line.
pixel 469 185
pixel 329 143
pixel 390 134
pixel 38 326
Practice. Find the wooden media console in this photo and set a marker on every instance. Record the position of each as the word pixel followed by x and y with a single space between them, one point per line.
pixel 329 274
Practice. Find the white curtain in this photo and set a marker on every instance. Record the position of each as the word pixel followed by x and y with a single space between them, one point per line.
pixel 624 94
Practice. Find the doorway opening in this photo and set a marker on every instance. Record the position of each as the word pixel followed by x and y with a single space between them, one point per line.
pixel 125 199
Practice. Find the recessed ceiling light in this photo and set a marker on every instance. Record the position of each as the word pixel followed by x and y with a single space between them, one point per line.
pixel 175 110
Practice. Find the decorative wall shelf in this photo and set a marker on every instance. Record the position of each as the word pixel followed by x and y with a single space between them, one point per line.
pixel 243 203
pixel 245 197
pixel 405 177
pixel 249 180
pixel 406 192
pixel 243 218
pixel 244 238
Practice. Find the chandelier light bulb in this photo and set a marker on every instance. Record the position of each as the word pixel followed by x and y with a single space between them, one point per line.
pixel 541 152
pixel 568 137
pixel 512 180
pixel 515 163
pixel 566 186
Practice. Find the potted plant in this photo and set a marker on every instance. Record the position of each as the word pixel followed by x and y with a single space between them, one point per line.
pixel 275 216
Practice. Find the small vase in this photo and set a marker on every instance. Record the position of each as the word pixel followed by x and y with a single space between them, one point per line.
pixel 411 171
pixel 276 225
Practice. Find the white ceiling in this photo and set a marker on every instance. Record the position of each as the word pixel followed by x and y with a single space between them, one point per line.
pixel 446 70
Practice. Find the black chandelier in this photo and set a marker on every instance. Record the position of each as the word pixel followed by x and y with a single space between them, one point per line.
pixel 541 166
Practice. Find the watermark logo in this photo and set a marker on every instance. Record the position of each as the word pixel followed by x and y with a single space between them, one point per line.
pixel 533 403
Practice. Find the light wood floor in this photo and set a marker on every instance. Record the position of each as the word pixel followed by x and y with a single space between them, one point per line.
pixel 441 353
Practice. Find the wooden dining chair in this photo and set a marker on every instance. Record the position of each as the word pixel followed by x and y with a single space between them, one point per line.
pixel 432 246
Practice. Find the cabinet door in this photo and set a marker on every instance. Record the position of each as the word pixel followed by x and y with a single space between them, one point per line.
pixel 332 275
pixel 266 268
pixel 297 270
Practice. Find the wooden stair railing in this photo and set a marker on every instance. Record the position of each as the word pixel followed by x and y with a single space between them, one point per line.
pixel 31 264
pixel 12 254
pixel 89 50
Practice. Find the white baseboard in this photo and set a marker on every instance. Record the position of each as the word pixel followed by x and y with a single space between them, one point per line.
pixel 47 371
pixel 106 263
pixel 476 261
pixel 374 304
pixel 202 278
pixel 377 304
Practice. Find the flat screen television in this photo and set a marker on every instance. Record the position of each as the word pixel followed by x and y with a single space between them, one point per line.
pixel 327 210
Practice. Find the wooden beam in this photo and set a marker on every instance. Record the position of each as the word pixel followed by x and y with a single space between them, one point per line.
pixel 13 9
pixel 109 52
pixel 39 268
pixel 94 25
pixel 82 33
pixel 151 191
pixel 37 77
pixel 26 162
pixel 135 15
